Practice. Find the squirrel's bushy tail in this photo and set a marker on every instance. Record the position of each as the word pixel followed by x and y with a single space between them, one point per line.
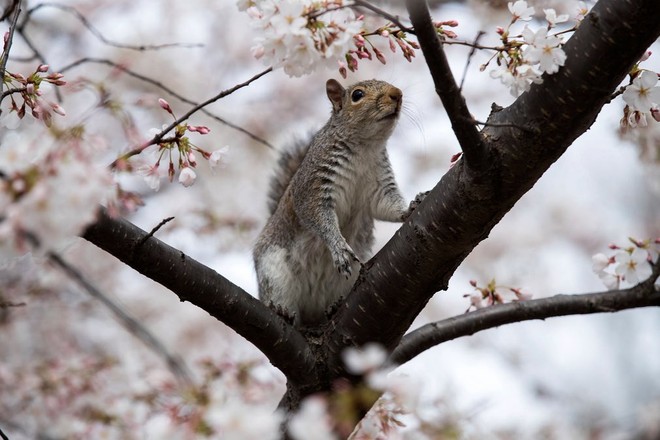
pixel 287 165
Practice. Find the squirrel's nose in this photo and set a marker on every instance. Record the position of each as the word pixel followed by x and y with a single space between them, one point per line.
pixel 395 94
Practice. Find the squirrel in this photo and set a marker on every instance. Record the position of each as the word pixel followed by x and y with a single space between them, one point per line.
pixel 324 200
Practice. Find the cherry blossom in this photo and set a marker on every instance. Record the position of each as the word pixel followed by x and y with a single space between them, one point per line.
pixel 600 262
pixel 151 175
pixel 552 17
pixel 364 359
pixel 543 49
pixel 298 36
pixel 216 157
pixel 311 421
pixel 187 177
pixel 633 266
pixel 643 94
pixel 521 11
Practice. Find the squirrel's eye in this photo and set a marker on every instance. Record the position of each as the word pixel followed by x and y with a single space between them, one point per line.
pixel 357 95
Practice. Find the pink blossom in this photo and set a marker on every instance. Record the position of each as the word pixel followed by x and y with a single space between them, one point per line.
pixel 187 177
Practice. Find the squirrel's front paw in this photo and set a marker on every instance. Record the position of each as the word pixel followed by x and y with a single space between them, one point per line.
pixel 415 203
pixel 344 259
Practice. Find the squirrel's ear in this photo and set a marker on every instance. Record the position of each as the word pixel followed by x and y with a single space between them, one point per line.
pixel 335 94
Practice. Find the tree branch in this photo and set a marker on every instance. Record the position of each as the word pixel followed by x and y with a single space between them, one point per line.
pixel 156 139
pixel 7 48
pixel 88 25
pixel 471 142
pixel 430 335
pixel 166 89
pixel 462 209
pixel 191 281
pixel 395 19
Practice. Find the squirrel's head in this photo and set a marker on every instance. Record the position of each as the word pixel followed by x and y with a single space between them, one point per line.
pixel 372 105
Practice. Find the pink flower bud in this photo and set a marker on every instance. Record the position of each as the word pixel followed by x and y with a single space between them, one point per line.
pixel 257 51
pixel 29 88
pixel 379 56
pixel 473 283
pixel 646 56
pixel 58 109
pixel 352 63
pixel 342 69
pixel 499 30
pixel 450 23
pixel 165 106
pixel 170 171
pixel 449 34
pixel 192 160
pixel 385 33
pixel 392 46
pixel 199 129
pixel 655 112
pixel 43 68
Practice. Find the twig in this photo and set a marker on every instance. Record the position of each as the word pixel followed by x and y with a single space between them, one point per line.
pixel 11 92
pixel 393 18
pixel 9 9
pixel 167 90
pixel 174 362
pixel 86 23
pixel 159 137
pixel 154 230
pixel 473 50
pixel 643 294
pixel 7 48
pixel 469 138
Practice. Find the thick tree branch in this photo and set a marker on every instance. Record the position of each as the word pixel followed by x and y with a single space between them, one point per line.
pixel 471 142
pixel 430 335
pixel 464 207
pixel 7 47
pixel 191 281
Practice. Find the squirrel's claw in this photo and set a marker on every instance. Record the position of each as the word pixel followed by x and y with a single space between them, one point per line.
pixel 344 261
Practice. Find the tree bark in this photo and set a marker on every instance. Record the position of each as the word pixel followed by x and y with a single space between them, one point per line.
pixel 459 212
pixel 463 208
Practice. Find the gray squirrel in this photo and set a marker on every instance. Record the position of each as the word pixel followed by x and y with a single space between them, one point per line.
pixel 323 201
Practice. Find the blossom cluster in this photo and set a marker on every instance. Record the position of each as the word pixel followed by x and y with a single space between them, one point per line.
pixel 84 396
pixel 494 294
pixel 186 153
pixel 522 59
pixel 301 35
pixel 642 97
pixel 48 191
pixel 388 397
pixel 630 264
pixel 25 93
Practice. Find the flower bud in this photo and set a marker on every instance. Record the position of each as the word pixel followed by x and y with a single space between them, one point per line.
pixel 165 106
pixel 43 68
